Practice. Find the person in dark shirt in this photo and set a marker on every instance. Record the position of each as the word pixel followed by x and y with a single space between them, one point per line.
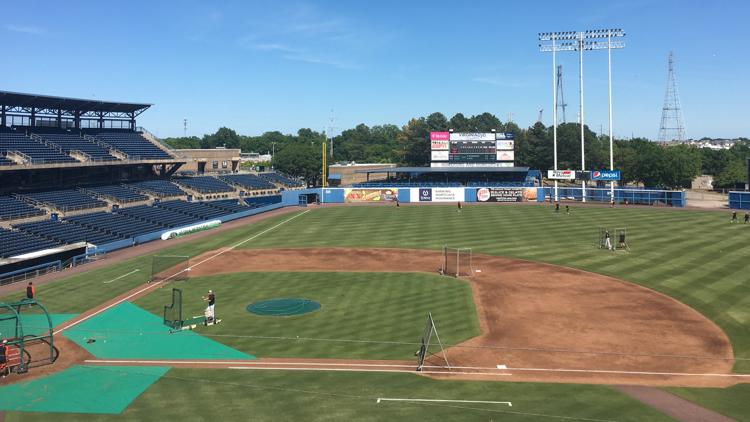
pixel 210 313
pixel 4 371
pixel 747 217
pixel 30 291
pixel 734 217
pixel 557 207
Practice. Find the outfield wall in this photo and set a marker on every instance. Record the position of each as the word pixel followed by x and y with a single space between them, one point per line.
pixel 739 200
pixel 487 194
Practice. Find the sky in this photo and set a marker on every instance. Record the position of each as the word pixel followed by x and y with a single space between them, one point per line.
pixel 258 66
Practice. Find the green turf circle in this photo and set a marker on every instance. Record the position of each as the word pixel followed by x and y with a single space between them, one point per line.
pixel 283 307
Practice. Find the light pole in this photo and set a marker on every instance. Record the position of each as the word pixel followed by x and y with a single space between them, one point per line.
pixel 580 41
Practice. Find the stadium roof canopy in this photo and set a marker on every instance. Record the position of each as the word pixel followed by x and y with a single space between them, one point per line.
pixel 442 170
pixel 48 102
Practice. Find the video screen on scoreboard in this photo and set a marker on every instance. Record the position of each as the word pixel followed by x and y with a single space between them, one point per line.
pixel 465 149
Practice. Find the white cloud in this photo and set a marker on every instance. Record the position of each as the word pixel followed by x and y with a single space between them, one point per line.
pixel 33 30
pixel 306 58
pixel 275 47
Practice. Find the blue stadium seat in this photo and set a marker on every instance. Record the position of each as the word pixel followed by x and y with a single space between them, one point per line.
pixel 134 145
pixel 248 181
pixel 228 205
pixel 282 180
pixel 115 224
pixel 14 243
pixel 37 152
pixel 116 193
pixel 160 216
pixel 65 200
pixel 204 184
pixel 160 188
pixel 12 208
pixel 66 232
pixel 193 209
pixel 72 142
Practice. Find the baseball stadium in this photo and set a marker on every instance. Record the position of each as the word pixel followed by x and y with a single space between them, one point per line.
pixel 477 297
pixel 450 269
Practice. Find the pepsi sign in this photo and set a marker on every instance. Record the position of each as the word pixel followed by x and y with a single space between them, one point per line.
pixel 605 175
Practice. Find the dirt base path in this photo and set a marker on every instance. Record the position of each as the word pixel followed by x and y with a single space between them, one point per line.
pixel 542 322
pixel 672 405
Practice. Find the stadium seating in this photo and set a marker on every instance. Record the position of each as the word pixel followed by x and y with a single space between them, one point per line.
pixel 37 152
pixel 281 179
pixel 117 193
pixel 193 209
pixel 160 216
pixel 160 188
pixel 116 224
pixel 65 200
pixel 228 205
pixel 11 208
pixel 134 145
pixel 6 162
pixel 66 232
pixel 204 184
pixel 13 243
pixel 72 142
pixel 248 181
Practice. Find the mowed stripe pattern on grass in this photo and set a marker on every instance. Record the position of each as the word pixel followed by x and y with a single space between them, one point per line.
pixel 696 257
pixel 370 309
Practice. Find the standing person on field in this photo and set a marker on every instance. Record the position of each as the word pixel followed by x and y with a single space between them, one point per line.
pixel 747 217
pixel 607 240
pixel 30 291
pixel 567 209
pixel 557 207
pixel 4 370
pixel 734 217
pixel 459 206
pixel 210 312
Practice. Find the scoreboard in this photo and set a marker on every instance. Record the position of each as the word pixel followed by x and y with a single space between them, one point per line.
pixel 467 149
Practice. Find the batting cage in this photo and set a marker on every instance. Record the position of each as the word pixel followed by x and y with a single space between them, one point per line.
pixel 26 329
pixel 426 340
pixel 457 262
pixel 176 320
pixel 169 268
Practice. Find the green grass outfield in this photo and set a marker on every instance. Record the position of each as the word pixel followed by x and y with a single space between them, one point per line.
pixel 694 256
pixel 369 309
pixel 254 395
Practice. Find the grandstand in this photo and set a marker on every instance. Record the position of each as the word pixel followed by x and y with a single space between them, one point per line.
pixel 18 243
pixel 26 150
pixel 66 233
pixel 72 143
pixel 193 209
pixel 132 144
pixel 13 209
pixel 160 216
pixel 65 200
pixel 116 193
pixel 159 188
pixel 282 180
pixel 248 181
pixel 204 184
pixel 114 224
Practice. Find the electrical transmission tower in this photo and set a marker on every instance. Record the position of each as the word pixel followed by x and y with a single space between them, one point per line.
pixel 672 128
pixel 561 104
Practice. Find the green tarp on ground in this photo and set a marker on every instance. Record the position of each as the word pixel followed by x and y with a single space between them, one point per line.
pixel 126 331
pixel 32 323
pixel 81 389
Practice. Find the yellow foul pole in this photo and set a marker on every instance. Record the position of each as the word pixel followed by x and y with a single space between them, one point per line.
pixel 325 179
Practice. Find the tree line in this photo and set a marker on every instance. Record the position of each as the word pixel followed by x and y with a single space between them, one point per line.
pixel 641 160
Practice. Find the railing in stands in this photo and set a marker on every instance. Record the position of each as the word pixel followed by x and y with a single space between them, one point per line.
pixel 31 272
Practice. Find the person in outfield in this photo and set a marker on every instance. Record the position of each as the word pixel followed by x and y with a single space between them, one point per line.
pixel 734 217
pixel 210 313
pixel 607 240
pixel 747 217
pixel 30 291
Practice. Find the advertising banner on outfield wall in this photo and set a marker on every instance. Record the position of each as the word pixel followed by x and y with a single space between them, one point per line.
pixel 439 155
pixel 440 136
pixel 504 145
pixel 370 195
pixel 437 194
pixel 506 194
pixel 472 136
pixel 561 174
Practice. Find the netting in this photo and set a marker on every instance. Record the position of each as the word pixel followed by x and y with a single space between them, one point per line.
pixel 283 307
pixel 173 311
pixel 169 267
pixel 457 262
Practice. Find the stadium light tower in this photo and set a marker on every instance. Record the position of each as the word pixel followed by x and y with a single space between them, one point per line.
pixel 580 42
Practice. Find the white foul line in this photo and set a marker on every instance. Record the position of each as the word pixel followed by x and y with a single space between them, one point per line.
pixel 122 276
pixel 152 285
pixel 605 371
pixel 447 401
